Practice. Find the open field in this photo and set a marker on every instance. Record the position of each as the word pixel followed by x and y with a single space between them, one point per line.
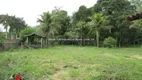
pixel 73 63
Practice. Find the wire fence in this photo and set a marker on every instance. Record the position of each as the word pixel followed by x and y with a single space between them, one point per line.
pixel 38 44
pixel 88 41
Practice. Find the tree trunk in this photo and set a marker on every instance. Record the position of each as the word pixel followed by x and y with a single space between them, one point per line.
pixel 134 43
pixel 46 41
pixel 81 40
pixel 119 43
pixel 81 37
pixel 120 39
pixel 6 34
pixel 97 38
pixel 116 41
pixel 11 35
pixel 16 35
pixel 84 42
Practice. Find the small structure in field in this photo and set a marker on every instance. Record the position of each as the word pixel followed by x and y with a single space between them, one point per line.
pixel 35 40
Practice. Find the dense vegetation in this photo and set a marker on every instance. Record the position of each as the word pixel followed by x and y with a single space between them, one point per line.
pixel 15 24
pixel 73 63
pixel 106 18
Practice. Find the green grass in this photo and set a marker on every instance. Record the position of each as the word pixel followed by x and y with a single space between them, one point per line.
pixel 73 63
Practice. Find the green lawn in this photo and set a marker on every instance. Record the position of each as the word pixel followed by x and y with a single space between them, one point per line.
pixel 73 63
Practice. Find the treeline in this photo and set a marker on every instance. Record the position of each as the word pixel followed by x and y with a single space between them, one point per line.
pixel 106 22
pixel 107 18
pixel 13 25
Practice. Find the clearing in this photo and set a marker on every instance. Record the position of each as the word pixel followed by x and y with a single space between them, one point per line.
pixel 72 63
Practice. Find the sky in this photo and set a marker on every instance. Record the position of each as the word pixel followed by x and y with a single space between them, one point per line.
pixel 31 9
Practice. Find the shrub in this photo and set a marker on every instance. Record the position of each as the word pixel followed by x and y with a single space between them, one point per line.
pixel 109 42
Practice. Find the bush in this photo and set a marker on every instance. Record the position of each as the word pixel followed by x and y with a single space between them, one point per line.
pixel 109 42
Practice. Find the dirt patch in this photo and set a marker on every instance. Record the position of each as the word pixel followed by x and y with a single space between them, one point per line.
pixel 109 55
pixel 135 57
pixel 59 74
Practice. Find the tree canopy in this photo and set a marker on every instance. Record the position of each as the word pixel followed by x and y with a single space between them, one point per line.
pixel 107 18
pixel 14 23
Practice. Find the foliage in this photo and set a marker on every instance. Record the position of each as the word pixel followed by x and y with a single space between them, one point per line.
pixel 48 25
pixel 82 14
pixel 137 24
pixel 117 11
pixel 84 23
pixel 54 24
pixel 79 29
pixel 26 31
pixel 109 42
pixel 14 23
pixel 98 21
pixel 2 37
pixel 138 4
pixel 61 18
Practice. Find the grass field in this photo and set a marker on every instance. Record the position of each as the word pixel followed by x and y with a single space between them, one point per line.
pixel 73 63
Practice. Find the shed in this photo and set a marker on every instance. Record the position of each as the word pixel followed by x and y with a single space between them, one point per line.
pixel 35 36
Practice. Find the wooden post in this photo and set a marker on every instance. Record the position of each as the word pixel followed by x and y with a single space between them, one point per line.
pixel 41 42
pixel 27 41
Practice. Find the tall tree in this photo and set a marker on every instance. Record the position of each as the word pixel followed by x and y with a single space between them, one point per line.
pixel 117 11
pixel 5 24
pixel 79 20
pixel 14 23
pixel 98 21
pixel 82 14
pixel 62 19
pixel 79 29
pixel 4 21
pixel 48 25
pixel 45 23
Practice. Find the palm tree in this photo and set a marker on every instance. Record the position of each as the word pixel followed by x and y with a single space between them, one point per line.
pixel 48 26
pixel 4 21
pixel 98 21
pixel 45 22
pixel 137 24
pixel 5 24
pixel 79 29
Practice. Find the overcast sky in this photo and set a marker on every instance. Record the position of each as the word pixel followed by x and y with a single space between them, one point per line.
pixel 31 9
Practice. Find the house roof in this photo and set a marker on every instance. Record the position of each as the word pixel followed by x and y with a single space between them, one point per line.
pixel 34 35
pixel 135 17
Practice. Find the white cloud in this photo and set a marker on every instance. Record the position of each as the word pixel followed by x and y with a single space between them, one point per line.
pixel 31 9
